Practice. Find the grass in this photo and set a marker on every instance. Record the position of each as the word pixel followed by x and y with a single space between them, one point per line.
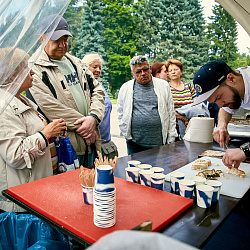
pixel 114 101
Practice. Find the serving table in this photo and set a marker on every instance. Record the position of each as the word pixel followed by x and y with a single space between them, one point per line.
pixel 188 223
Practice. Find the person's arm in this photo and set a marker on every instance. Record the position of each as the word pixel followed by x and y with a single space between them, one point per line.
pixel 181 117
pixel 120 110
pixel 19 150
pixel 89 123
pixel 172 133
pixel 50 106
pixel 221 134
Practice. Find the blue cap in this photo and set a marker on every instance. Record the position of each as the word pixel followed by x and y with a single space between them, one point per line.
pixel 208 78
pixel 61 29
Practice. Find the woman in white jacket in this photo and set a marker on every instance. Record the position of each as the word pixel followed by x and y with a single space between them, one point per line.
pixel 24 152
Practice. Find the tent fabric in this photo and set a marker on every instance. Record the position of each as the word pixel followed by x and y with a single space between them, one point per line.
pixel 239 10
pixel 20 27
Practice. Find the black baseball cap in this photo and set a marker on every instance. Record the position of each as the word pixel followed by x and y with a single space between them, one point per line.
pixel 208 78
pixel 61 29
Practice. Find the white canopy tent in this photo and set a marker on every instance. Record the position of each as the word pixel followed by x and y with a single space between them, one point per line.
pixel 21 25
pixel 239 10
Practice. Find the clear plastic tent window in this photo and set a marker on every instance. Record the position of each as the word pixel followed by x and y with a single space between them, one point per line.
pixel 22 23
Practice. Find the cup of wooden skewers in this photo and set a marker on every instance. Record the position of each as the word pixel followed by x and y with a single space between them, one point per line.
pixel 87 178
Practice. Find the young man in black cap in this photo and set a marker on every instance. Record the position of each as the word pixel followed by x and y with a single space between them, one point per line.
pixel 63 87
pixel 217 83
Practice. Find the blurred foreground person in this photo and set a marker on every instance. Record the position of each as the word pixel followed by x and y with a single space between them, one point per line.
pixel 24 152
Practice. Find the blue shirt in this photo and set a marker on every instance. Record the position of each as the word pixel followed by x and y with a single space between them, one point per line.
pixel 105 125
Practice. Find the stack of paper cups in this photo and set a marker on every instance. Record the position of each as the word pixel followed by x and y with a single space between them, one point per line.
pixel 104 197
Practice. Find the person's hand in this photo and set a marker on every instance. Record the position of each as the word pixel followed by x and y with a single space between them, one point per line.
pixel 54 128
pixel 181 117
pixel 221 136
pixel 233 157
pixel 87 127
pixel 91 139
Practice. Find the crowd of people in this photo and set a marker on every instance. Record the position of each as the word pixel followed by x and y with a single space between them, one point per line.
pixel 64 94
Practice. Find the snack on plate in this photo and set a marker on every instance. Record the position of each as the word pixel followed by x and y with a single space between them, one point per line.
pixel 201 164
pixel 110 162
pixel 210 174
pixel 236 171
pixel 213 153
pixel 87 177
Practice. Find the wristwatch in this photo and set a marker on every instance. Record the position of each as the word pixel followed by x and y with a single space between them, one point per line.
pixel 245 148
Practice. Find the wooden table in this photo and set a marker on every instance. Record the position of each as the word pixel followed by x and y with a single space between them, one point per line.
pixel 196 225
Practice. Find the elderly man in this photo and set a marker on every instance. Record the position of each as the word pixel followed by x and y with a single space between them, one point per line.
pixel 63 87
pixel 218 83
pixel 145 109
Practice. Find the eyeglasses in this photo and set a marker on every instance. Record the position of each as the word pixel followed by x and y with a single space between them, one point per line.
pixel 138 61
pixel 142 70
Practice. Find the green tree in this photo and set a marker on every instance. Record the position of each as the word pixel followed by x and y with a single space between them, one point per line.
pixel 223 34
pixel 119 39
pixel 150 15
pixel 73 15
pixel 91 36
pixel 174 29
pixel 185 38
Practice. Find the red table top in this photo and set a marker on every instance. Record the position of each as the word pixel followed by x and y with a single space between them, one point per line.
pixel 60 199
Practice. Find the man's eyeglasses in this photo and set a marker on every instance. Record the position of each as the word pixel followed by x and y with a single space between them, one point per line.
pixel 138 61
pixel 142 70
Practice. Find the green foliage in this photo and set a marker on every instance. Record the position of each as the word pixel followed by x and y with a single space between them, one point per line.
pixel 119 39
pixel 223 34
pixel 121 29
pixel 90 39
pixel 73 16
pixel 242 60
pixel 174 29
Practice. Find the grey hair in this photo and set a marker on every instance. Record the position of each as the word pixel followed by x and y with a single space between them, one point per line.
pixel 137 59
pixel 91 58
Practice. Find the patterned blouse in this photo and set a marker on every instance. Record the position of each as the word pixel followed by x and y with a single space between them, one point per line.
pixel 185 96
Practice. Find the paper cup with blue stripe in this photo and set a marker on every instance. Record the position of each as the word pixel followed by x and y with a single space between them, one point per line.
pixel 198 180
pixel 145 177
pixel 217 186
pixel 157 181
pixel 204 195
pixel 157 170
pixel 88 195
pixel 174 181
pixel 133 163
pixel 186 188
pixel 145 166
pixel 104 178
pixel 132 174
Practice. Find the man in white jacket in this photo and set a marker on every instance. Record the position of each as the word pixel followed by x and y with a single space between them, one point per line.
pixel 145 109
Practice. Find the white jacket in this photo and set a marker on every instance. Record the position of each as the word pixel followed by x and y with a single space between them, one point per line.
pixel 165 109
pixel 21 160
